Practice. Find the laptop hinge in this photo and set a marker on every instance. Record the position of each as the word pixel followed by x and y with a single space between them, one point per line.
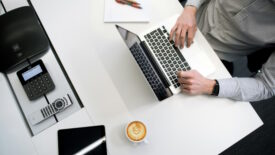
pixel 154 64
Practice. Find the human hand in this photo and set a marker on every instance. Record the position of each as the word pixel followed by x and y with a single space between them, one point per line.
pixel 192 82
pixel 185 25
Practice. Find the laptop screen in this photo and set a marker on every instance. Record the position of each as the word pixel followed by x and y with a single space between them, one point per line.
pixel 129 37
pixel 145 62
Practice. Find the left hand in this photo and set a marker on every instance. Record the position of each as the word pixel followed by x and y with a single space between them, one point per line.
pixel 185 27
pixel 193 83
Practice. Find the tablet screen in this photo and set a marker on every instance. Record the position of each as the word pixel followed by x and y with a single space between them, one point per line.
pixel 85 140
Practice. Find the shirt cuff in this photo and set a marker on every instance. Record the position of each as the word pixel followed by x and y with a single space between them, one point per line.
pixel 196 3
pixel 228 87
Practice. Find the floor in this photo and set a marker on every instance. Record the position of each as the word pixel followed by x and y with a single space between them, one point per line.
pixel 261 141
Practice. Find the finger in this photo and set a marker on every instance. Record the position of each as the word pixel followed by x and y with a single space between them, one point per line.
pixel 186 91
pixel 172 32
pixel 189 91
pixel 181 80
pixel 190 36
pixel 177 36
pixel 185 81
pixel 185 74
pixel 180 74
pixel 187 85
pixel 183 37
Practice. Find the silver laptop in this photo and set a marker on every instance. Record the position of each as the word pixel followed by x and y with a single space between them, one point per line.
pixel 160 60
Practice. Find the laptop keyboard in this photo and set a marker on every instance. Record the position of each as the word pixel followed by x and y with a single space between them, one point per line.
pixel 167 54
pixel 150 74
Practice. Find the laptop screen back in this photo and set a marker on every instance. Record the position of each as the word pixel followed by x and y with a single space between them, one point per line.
pixel 129 37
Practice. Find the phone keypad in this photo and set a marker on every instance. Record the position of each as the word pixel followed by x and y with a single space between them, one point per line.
pixel 39 86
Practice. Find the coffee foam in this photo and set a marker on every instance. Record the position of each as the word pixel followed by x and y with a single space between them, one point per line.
pixel 136 131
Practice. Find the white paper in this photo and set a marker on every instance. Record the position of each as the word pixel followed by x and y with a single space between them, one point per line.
pixel 115 12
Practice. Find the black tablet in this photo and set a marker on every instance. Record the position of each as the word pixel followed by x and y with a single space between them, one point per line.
pixel 85 140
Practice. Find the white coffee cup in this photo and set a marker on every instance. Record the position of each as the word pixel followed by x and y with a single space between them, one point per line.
pixel 136 132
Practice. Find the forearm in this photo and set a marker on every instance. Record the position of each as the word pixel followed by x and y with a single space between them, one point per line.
pixel 244 89
pixel 262 86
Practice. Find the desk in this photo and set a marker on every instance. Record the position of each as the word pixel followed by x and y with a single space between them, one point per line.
pixel 114 91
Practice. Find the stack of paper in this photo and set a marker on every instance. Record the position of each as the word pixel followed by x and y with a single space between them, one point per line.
pixel 115 12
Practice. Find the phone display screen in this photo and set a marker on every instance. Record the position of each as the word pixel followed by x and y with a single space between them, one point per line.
pixel 32 72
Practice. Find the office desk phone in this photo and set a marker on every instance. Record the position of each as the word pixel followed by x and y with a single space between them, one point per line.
pixel 36 80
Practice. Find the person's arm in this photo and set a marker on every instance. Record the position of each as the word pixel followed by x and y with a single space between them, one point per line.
pixel 262 86
pixel 186 24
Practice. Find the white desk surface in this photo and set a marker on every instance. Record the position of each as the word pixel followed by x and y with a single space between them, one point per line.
pixel 114 91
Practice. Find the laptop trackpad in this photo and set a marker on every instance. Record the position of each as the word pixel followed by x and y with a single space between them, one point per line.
pixel 198 60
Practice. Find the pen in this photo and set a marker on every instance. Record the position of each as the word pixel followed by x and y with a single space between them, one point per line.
pixel 135 6
pixel 130 3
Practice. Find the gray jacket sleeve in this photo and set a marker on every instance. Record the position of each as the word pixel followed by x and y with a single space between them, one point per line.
pixel 196 3
pixel 260 87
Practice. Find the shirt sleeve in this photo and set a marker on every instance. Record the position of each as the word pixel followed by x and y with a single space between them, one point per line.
pixel 196 3
pixel 260 87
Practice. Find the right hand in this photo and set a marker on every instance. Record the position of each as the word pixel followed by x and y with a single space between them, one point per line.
pixel 193 83
pixel 186 24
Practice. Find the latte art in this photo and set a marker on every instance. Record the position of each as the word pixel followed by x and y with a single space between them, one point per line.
pixel 136 131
